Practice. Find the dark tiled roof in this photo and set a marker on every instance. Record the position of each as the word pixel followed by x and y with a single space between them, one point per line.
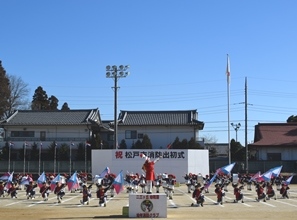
pixel 183 117
pixel 275 134
pixel 71 117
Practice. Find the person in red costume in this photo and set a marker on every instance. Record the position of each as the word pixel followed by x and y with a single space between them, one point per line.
pixel 149 168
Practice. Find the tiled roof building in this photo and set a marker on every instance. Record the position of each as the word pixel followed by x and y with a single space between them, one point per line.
pixel 274 141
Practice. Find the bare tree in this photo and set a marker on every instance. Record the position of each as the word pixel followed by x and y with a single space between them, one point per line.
pixel 19 95
pixel 210 142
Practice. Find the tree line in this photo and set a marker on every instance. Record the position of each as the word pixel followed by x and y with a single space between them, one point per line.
pixel 14 95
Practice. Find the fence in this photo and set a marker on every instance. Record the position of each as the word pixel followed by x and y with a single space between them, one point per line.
pixel 45 166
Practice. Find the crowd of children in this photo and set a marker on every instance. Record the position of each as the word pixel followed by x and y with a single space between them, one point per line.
pixel 196 184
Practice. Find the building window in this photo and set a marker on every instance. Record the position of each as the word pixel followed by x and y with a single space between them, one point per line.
pixel 42 135
pixel 140 136
pixel 22 134
pixel 130 134
pixel 274 156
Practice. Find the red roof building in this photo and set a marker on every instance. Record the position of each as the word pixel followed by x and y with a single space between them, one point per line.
pixel 274 141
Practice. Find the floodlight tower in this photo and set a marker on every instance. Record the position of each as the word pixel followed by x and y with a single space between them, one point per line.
pixel 116 72
pixel 236 128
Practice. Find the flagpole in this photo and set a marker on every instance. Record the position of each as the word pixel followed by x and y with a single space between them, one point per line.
pixel 228 103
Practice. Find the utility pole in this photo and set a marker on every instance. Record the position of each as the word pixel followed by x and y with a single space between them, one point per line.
pixel 245 126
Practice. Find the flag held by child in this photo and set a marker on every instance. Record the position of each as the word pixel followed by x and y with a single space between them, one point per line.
pixel 118 182
pixel 41 179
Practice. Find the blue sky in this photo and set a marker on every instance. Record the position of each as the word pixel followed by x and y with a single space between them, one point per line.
pixel 176 51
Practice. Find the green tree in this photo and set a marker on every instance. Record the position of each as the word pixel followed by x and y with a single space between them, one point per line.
pixel 292 118
pixel 146 142
pixel 34 152
pixel 192 144
pixel 184 144
pixel 63 152
pixel 4 154
pixel 65 107
pixel 82 150
pixel 237 151
pixel 176 144
pixel 53 103
pixel 4 91
pixel 80 156
pixel 123 144
pixel 52 148
pixel 40 100
pixel 96 141
pixel 138 145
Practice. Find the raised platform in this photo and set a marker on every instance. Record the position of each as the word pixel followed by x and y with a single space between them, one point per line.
pixel 143 205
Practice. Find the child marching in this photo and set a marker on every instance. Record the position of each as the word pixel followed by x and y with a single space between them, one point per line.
pixel 86 195
pixel 44 191
pixel 59 191
pixel 198 195
pixel 237 192
pixel 30 190
pixel 220 193
pixel 102 195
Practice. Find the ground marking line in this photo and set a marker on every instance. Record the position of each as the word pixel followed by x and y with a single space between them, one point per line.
pixel 265 203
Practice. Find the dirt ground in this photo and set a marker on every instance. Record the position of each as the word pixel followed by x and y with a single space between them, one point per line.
pixel 178 208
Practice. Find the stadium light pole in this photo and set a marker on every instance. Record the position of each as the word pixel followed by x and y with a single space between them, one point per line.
pixel 116 72
pixel 236 128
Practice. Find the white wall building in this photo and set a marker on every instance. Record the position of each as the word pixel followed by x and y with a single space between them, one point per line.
pixel 28 126
pixel 162 127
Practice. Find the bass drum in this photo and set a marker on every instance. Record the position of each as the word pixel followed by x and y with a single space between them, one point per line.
pixel 235 178
pixel 200 179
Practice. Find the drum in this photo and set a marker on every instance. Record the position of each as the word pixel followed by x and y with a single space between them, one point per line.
pixel 200 179
pixel 235 178
pixel 142 182
pixel 170 187
pixel 97 179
